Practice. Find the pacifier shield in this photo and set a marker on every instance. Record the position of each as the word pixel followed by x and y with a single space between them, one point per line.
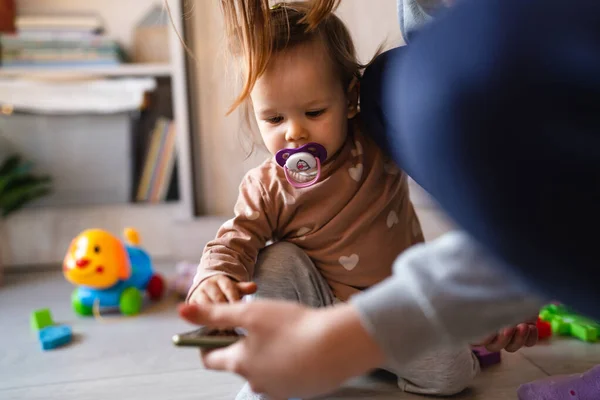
pixel 303 159
pixel 310 149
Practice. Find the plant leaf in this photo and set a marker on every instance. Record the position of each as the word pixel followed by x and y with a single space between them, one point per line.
pixel 28 179
pixel 9 164
pixel 18 186
pixel 22 191
pixel 19 202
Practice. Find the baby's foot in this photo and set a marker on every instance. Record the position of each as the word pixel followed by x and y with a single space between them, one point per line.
pixel 584 386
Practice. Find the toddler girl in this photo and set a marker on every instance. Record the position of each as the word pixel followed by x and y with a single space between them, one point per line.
pixel 336 210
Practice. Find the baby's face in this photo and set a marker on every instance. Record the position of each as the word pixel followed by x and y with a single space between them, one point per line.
pixel 299 99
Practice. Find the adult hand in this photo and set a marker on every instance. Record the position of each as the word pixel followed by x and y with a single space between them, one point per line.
pixel 290 350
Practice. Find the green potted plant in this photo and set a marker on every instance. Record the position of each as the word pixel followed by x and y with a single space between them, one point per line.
pixel 18 187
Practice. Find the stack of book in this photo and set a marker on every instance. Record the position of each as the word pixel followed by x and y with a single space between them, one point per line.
pixel 58 41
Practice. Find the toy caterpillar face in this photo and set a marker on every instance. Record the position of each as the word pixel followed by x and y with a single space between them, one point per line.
pixel 96 259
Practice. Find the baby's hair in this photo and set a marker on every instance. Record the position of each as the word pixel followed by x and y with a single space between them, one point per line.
pixel 256 31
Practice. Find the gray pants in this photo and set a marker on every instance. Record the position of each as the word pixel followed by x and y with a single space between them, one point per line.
pixel 284 271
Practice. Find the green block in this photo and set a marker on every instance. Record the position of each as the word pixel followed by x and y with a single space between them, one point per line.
pixel 40 319
pixel 586 333
pixel 565 322
pixel 559 326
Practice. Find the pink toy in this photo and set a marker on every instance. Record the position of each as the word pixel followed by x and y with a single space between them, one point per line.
pixel 184 277
pixel 584 386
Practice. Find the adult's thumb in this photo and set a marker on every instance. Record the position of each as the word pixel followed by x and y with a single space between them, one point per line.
pixel 222 315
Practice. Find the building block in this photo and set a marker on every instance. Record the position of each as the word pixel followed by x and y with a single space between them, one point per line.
pixel 565 322
pixel 52 337
pixel 40 319
pixel 544 329
pixel 486 358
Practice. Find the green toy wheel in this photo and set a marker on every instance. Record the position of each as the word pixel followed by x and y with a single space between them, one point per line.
pixel 131 301
pixel 78 306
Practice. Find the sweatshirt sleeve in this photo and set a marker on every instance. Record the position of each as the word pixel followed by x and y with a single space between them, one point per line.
pixel 443 293
pixel 235 248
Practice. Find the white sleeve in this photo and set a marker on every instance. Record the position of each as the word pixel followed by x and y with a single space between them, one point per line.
pixel 443 293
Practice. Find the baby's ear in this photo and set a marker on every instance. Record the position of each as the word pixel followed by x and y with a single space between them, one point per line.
pixel 352 95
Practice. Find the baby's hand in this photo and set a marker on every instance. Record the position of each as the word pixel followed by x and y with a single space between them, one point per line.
pixel 512 339
pixel 222 289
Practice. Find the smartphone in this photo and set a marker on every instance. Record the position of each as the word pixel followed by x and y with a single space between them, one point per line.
pixel 208 338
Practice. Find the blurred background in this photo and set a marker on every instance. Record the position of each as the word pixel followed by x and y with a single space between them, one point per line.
pixel 101 98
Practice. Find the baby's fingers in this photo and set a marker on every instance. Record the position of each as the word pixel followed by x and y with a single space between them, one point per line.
pixel 519 338
pixel 247 287
pixel 532 339
pixel 201 298
pixel 213 291
pixel 229 289
pixel 501 341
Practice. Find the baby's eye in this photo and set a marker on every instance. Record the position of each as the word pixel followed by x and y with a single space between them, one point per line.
pixel 315 113
pixel 274 120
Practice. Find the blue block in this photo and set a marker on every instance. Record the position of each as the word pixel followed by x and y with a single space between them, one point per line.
pixel 55 336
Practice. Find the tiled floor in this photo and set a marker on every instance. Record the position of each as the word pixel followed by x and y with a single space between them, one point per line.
pixel 133 358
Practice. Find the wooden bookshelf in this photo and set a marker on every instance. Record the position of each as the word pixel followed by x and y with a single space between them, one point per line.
pixel 158 222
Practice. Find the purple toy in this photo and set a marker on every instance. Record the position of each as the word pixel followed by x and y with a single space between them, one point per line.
pixel 184 277
pixel 486 358
pixel 584 386
pixel 302 159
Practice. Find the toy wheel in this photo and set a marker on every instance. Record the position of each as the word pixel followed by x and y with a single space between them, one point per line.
pixel 131 301
pixel 156 287
pixel 78 306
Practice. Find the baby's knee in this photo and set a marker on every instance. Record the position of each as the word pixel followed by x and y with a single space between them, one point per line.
pixel 273 261
pixel 457 371
pixel 280 269
pixel 441 373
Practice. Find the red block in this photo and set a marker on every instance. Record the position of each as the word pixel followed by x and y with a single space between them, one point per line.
pixel 544 329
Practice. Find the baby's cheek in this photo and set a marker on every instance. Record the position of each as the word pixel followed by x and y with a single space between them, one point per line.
pixel 333 132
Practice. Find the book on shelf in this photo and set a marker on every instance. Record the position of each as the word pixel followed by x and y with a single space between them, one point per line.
pixel 59 22
pixel 157 174
pixel 57 40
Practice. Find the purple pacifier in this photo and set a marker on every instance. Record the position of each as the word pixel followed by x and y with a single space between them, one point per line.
pixel 302 159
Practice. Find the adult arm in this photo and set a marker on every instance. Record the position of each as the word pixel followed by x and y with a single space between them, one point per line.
pixel 499 123
pixel 447 292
